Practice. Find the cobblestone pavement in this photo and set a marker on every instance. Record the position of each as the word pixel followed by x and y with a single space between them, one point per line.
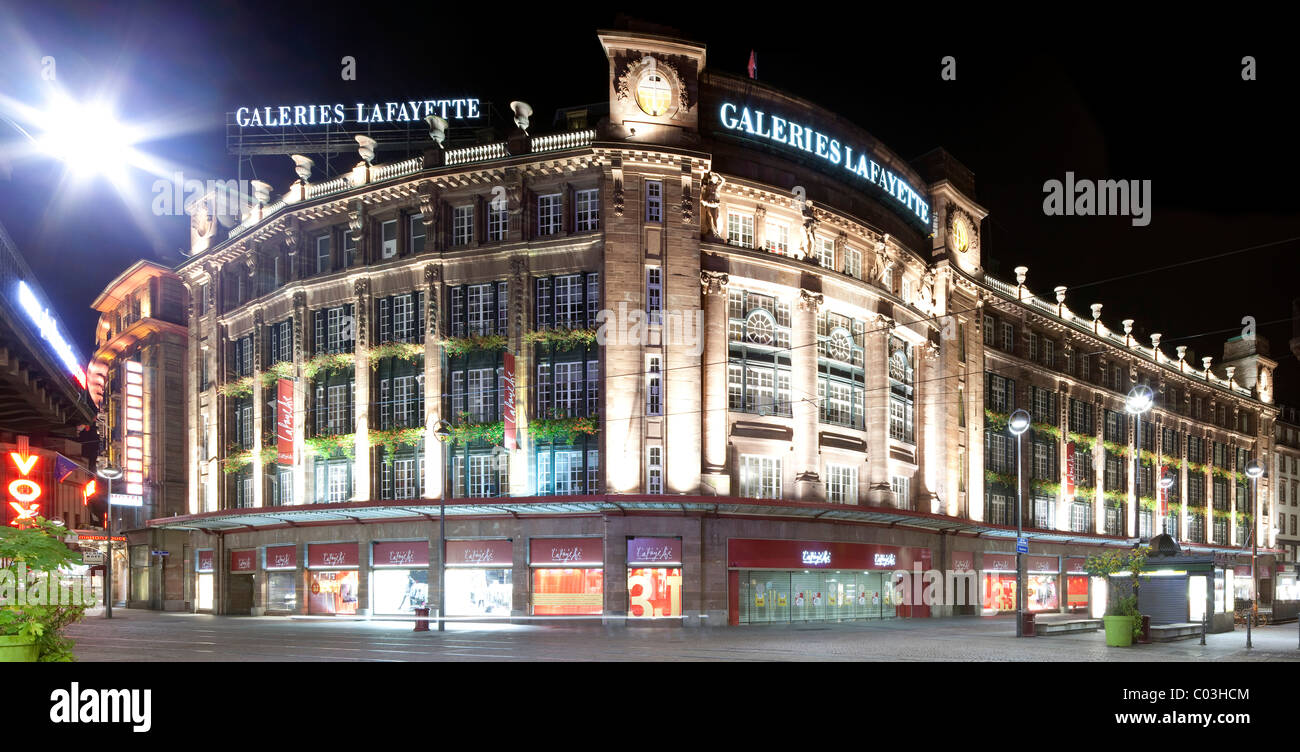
pixel 134 635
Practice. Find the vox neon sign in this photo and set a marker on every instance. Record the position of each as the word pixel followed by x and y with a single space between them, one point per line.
pixel 24 490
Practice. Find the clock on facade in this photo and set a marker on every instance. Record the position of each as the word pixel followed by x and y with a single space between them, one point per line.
pixel 654 95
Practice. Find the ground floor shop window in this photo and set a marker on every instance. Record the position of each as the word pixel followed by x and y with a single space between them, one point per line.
pixel 568 592
pixel 203 584
pixel 333 593
pixel 1076 592
pixel 654 591
pixel 1000 592
pixel 479 592
pixel 1041 592
pixel 772 597
pixel 399 591
pixel 281 591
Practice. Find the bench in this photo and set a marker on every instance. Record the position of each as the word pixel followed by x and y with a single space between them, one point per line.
pixel 1178 631
pixel 1045 628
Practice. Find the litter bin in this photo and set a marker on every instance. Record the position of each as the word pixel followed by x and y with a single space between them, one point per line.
pixel 421 620
pixel 1145 637
pixel 1029 625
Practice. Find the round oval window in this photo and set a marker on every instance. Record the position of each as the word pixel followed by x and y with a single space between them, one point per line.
pixel 654 94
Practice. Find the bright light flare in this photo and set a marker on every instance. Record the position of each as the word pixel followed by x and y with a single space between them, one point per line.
pixel 87 138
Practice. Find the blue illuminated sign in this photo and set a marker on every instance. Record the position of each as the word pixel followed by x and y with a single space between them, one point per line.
pixel 49 329
pixel 793 135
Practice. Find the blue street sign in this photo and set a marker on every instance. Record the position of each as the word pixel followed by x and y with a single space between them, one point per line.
pixel 161 553
pixel 1022 545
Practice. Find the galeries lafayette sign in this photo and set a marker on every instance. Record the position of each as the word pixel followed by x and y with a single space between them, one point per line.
pixel 362 113
pixel 401 554
pixel 567 552
pixel 333 555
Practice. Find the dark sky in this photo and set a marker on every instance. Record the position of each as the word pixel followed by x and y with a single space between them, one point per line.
pixel 1035 97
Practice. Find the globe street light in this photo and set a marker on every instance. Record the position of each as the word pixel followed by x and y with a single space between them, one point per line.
pixel 108 473
pixel 1139 401
pixel 1017 424
pixel 1254 469
pixel 443 434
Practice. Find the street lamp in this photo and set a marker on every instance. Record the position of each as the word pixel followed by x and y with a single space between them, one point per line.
pixel 1017 424
pixel 108 473
pixel 1139 401
pixel 443 434
pixel 1254 469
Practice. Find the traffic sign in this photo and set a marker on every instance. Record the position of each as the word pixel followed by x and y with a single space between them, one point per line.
pixel 1022 545
pixel 161 553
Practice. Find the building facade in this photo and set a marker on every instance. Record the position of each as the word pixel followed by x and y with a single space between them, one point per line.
pixel 137 380
pixel 1286 469
pixel 723 358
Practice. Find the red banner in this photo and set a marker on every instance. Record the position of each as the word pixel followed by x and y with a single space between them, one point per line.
pixel 998 562
pixel 204 561
pixel 284 422
pixel 282 557
pixel 488 554
pixel 327 555
pixel 567 552
pixel 1069 469
pixel 654 552
pixel 508 399
pixel 401 554
pixel 243 561
pixel 787 554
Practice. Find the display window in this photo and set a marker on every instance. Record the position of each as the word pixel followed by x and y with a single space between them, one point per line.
pixel 1040 593
pixel 1076 591
pixel 332 593
pixel 203 586
pixel 999 592
pixel 775 597
pixel 568 592
pixel 654 591
pixel 479 592
pixel 1197 595
pixel 282 591
pixel 399 591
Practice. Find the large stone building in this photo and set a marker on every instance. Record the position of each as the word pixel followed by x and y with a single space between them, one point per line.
pixel 137 381
pixel 721 357
pixel 1285 470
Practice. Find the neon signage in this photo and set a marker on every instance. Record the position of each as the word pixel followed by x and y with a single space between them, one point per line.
pixel 816 558
pixel 414 110
pixel 793 135
pixel 49 329
pixel 24 490
pixel 885 560
pixel 133 423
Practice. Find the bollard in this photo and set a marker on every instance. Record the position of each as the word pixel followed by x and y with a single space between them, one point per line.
pixel 422 620
pixel 1204 619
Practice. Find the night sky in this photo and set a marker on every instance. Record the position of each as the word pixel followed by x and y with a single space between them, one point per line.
pixel 1100 103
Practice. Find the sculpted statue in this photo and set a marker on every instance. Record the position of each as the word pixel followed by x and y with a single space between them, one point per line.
pixel 710 200
pixel 927 288
pixel 881 265
pixel 808 243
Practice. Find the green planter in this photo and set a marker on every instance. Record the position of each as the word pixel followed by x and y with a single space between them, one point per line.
pixel 15 649
pixel 1119 631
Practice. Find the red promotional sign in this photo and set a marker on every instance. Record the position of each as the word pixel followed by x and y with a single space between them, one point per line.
pixel 1069 469
pixel 654 551
pixel 401 554
pixel 1075 565
pixel 962 561
pixel 566 552
pixel 284 422
pixel 205 561
pixel 329 555
pixel 786 554
pixel 1048 564
pixel 489 554
pixel 508 399
pixel 282 557
pixel 243 561
pixel 999 562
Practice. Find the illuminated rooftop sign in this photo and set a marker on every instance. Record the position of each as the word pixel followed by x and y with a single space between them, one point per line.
pixel 49 329
pixel 362 113
pixel 792 135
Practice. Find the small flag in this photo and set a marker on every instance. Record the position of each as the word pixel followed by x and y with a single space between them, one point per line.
pixel 63 467
pixel 753 64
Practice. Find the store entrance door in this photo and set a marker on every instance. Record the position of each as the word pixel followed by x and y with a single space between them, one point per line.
pixel 241 594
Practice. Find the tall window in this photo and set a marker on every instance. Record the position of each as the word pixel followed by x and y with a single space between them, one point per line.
pixel 568 301
pixel 387 239
pixel 462 225
pixel 758 370
pixel 415 226
pixel 279 342
pixel 740 229
pixel 853 262
pixel 654 201
pixel 402 478
pixel 479 474
pixel 586 208
pixel 842 484
pixel 777 239
pixel 323 254
pixel 549 214
pixel 244 356
pixel 900 390
pixel 498 223
pixel 333 408
pixel 1008 337
pixel 401 318
pixel 653 391
pixel 478 309
pixel 654 295
pixel 826 253
pixel 335 329
pixel 901 485
pixel 349 250
pixel 840 375
pixel 1000 396
pixel 565 471
pixel 760 477
pixel 655 470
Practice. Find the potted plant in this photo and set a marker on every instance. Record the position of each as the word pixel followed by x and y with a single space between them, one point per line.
pixel 1123 621
pixel 35 632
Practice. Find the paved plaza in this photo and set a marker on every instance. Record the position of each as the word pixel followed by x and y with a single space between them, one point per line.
pixel 134 635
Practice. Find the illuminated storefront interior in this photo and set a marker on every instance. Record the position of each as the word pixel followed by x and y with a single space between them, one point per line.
pixel 568 576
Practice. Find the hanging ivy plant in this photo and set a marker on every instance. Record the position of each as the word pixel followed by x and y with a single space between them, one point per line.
pixel 995 421
pixel 269 454
pixel 1046 487
pixel 1082 443
pixel 1087 493
pixel 464 432
pixel 1222 514
pixel 1005 479
pixel 561 339
pixel 328 445
pixel 327 363
pixel 242 387
pixel 545 430
pixel 1147 503
pixel 1196 467
pixel 1219 472
pixel 1047 430
pixel 277 371
pixel 411 352
pixel 390 439
pixel 1115 497
pixel 457 346
pixel 1116 448
pixel 236 461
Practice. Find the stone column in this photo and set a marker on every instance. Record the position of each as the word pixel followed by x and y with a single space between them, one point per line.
pixel 361 396
pixel 876 359
pixel 433 464
pixel 302 492
pixel 1099 464
pixel 716 478
pixel 259 410
pixel 803 396
pixel 521 297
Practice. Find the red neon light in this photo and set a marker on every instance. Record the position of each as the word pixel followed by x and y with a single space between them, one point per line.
pixel 24 513
pixel 24 489
pixel 25 464
pixel 87 492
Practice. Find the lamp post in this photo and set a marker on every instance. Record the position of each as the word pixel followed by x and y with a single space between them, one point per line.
pixel 443 434
pixel 108 473
pixel 1017 424
pixel 1254 469
pixel 1138 402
